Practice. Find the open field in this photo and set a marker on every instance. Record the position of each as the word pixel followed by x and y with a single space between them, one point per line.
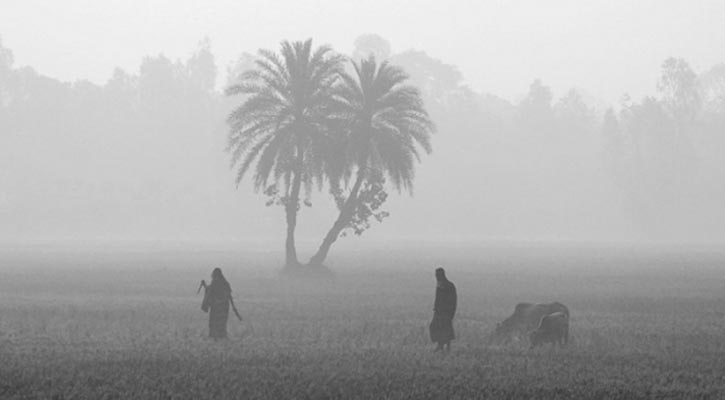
pixel 646 323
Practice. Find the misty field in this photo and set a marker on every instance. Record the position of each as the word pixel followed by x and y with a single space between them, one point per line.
pixel 111 324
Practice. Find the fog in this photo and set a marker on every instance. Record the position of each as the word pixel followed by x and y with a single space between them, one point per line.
pixel 584 125
pixel 362 199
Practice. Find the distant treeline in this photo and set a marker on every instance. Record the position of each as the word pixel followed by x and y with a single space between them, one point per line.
pixel 136 153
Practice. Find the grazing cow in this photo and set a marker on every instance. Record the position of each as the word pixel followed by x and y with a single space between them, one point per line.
pixel 526 318
pixel 554 328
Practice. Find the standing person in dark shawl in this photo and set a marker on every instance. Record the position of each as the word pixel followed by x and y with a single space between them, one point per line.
pixel 441 328
pixel 217 297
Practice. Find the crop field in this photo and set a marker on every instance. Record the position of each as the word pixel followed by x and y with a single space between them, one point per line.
pixel 124 324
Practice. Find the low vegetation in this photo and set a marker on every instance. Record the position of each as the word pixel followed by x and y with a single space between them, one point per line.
pixel 644 325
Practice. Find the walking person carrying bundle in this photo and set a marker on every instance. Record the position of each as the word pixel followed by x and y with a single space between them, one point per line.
pixel 217 299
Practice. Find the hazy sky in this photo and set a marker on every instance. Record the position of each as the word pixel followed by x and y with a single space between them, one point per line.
pixel 605 46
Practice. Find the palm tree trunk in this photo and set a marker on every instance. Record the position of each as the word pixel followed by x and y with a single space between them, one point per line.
pixel 290 249
pixel 346 212
pixel 291 209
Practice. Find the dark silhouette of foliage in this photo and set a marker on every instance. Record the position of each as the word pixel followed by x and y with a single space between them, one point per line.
pixel 371 197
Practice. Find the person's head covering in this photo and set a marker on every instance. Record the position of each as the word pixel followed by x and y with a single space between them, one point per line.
pixel 216 274
pixel 441 274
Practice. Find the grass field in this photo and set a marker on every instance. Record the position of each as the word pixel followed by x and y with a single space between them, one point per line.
pixel 646 324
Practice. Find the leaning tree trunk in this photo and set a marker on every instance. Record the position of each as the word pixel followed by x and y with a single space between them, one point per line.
pixel 291 209
pixel 346 213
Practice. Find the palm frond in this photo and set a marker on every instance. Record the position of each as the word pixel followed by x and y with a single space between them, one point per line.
pixel 250 157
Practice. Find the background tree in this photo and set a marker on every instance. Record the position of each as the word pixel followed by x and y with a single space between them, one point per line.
pixel 574 116
pixel 712 86
pixel 535 116
pixel 283 124
pixel 371 44
pixel 613 142
pixel 201 69
pixel 6 66
pixel 680 90
pixel 386 126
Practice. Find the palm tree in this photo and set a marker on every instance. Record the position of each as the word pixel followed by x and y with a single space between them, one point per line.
pixel 283 123
pixel 387 126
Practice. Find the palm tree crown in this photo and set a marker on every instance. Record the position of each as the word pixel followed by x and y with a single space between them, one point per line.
pixel 282 124
pixel 388 124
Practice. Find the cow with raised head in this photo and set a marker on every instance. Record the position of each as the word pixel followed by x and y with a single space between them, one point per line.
pixel 553 328
pixel 526 318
